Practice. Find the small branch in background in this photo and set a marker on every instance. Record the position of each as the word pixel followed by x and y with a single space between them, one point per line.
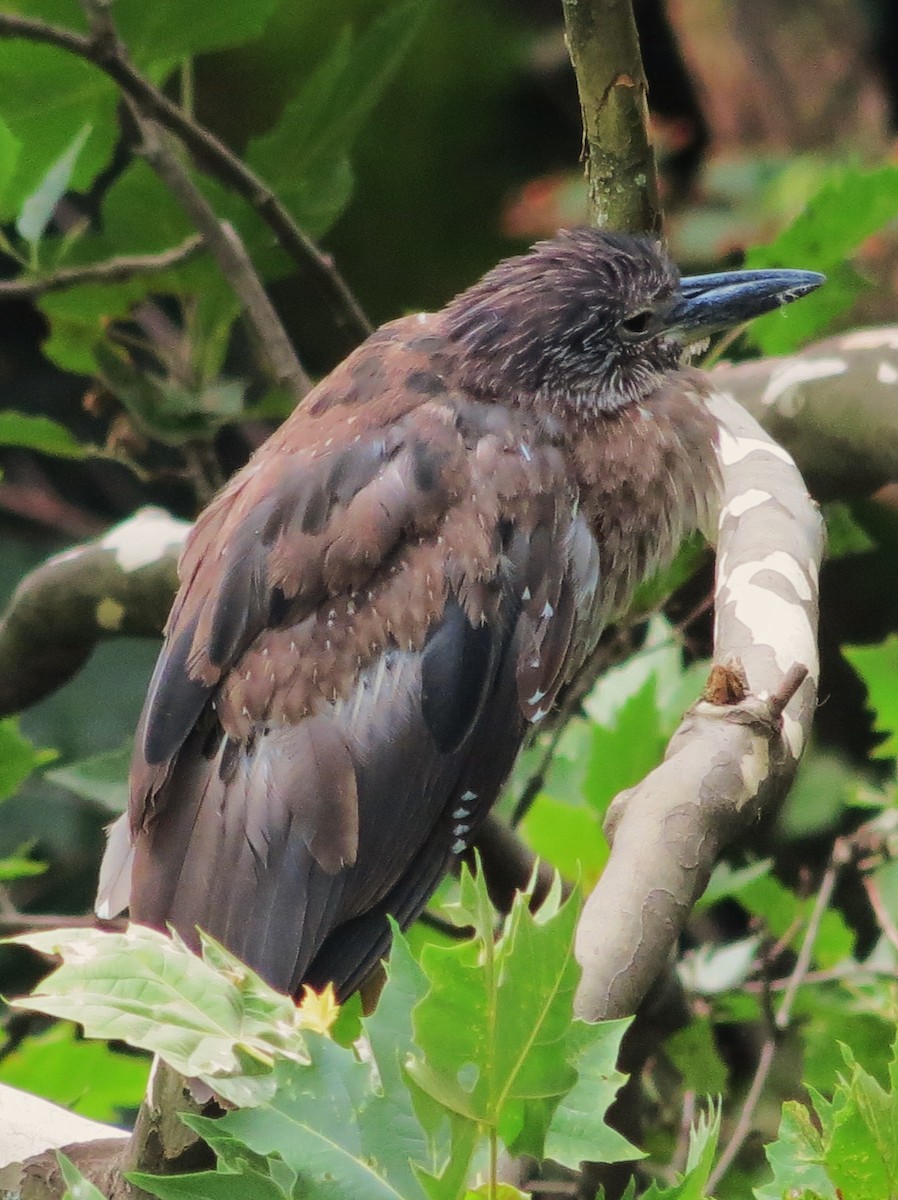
pixel 840 856
pixel 114 270
pixel 222 241
pixel 120 585
pixel 107 53
pixel 508 865
pixel 623 179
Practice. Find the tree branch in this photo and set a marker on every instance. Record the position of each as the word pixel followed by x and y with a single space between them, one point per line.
pixel 114 270
pixel 119 586
pixel 728 763
pixel 211 155
pixel 832 406
pixel 223 242
pixel 623 180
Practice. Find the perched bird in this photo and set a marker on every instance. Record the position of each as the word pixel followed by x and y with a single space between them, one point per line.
pixel 396 586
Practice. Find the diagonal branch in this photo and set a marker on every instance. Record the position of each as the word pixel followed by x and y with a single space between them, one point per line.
pixel 113 270
pixel 223 242
pixel 211 154
pixel 734 755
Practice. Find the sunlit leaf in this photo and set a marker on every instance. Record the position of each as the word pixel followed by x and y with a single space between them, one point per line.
pixel 102 778
pixel 38 433
pixel 38 208
pixel 878 668
pixel 85 1076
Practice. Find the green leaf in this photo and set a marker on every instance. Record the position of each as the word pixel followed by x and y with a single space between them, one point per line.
pixel 496 1034
pixel 10 149
pixel 49 98
pixel 567 836
pixel 878 668
pixel 38 433
pixel 305 156
pixel 102 778
pixel 694 1053
pixel 851 204
pixel 578 1130
pixel 167 30
pixel 18 758
pixel 76 1186
pixel 85 1076
pixel 844 536
pixel 209 1017
pixel 38 208
pixel 316 1121
pixel 16 866
pixel 167 410
pixel 213 1185
pixel 692 1184
pixel 796 1158
pixel 623 753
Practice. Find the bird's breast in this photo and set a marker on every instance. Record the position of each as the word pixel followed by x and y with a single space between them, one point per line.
pixel 648 478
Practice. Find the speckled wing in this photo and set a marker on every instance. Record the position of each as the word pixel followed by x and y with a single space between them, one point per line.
pixel 368 616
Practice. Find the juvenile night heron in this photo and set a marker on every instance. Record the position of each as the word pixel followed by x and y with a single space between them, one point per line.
pixel 399 582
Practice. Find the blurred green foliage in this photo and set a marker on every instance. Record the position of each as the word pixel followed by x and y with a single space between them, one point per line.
pixel 395 130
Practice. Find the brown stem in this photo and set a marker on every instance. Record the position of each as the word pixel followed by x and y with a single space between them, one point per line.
pixel 782 1016
pixel 211 154
pixel 113 270
pixel 224 244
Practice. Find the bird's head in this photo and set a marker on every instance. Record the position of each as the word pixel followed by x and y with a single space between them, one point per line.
pixel 599 319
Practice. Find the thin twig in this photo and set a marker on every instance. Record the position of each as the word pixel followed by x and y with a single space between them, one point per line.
pixel 681 1150
pixel 780 1020
pixel 19 922
pixel 212 156
pixel 886 924
pixel 113 270
pixel 225 246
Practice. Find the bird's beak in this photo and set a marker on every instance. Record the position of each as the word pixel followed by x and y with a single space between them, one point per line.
pixel 710 303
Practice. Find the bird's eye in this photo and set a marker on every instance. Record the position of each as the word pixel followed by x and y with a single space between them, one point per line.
pixel 637 325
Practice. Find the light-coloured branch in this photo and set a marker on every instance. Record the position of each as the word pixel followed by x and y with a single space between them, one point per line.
pixel 730 761
pixel 120 585
pixel 834 406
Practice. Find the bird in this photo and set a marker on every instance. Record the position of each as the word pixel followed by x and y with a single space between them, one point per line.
pixel 377 609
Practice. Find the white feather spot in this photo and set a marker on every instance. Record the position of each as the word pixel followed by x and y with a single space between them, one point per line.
pixel 525 451
pixel 548 611
pixel 458 846
pixel 525 595
pixel 468 797
pixel 536 697
pixel 886 373
pixel 538 715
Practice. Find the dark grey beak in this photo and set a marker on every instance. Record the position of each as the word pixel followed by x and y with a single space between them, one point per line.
pixel 709 303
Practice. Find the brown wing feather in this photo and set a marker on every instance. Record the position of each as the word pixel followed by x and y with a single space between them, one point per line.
pixel 365 615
